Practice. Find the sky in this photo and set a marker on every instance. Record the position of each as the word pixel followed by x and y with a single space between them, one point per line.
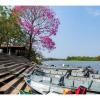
pixel 78 33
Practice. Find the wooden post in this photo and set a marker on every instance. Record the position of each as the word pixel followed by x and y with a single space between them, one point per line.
pixel 9 51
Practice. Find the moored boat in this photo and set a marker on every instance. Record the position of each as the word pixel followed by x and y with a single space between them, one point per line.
pixel 69 74
pixel 25 93
pixel 69 83
pixel 45 88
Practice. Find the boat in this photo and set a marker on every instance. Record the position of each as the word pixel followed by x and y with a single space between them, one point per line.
pixel 39 71
pixel 91 85
pixel 59 67
pixel 69 74
pixel 46 88
pixel 64 69
pixel 21 92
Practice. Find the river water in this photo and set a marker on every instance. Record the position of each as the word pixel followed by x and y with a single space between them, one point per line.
pixel 95 65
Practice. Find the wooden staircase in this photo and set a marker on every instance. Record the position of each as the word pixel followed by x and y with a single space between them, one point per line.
pixel 11 78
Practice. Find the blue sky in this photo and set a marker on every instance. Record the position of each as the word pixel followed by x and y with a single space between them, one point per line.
pixel 78 33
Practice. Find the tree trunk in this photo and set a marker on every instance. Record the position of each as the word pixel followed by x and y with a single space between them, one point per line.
pixel 30 48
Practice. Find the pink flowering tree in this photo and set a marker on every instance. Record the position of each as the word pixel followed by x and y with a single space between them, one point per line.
pixel 40 23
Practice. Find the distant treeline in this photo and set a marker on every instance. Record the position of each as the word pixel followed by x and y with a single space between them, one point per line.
pixel 84 58
pixel 46 59
pixel 75 58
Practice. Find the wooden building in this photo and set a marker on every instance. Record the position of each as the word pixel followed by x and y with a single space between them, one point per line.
pixel 13 50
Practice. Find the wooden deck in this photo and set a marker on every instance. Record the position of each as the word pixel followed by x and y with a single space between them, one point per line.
pixel 11 78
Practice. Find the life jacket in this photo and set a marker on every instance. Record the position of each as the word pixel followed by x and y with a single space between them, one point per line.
pixel 80 90
pixel 65 92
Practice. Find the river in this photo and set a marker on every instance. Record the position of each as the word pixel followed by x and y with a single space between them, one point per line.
pixel 95 65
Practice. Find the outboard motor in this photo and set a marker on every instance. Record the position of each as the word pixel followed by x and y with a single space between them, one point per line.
pixel 56 69
pixel 86 68
pixel 68 73
pixel 86 73
pixel 50 80
pixel 91 81
pixel 61 81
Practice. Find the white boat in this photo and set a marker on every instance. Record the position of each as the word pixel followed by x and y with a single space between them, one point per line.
pixel 63 82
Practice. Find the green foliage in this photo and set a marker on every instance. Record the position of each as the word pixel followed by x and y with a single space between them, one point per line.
pixel 84 58
pixel 10 31
pixel 98 57
pixel 52 59
pixel 75 58
pixel 35 56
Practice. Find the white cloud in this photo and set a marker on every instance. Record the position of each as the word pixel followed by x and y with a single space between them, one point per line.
pixel 93 12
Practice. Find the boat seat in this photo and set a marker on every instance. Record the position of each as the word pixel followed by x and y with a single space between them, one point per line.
pixel 59 72
pixel 48 71
pixel 77 83
pixel 56 72
pixel 79 74
pixel 68 82
pixel 96 76
pixel 64 73
pixel 74 74
pixel 46 80
pixel 55 80
pixel 95 86
pixel 52 72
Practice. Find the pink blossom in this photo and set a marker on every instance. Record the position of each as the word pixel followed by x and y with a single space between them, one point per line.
pixel 37 31
pixel 26 15
pixel 47 43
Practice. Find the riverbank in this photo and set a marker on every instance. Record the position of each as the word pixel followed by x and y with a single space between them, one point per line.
pixel 68 60
pixel 73 58
pixel 94 64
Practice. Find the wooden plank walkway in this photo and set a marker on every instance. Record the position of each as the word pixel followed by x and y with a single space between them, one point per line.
pixel 11 78
pixel 19 87
pixel 6 88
